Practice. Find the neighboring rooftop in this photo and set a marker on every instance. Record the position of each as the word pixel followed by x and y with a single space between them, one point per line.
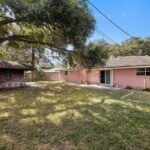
pixel 128 61
pixel 119 62
pixel 54 70
pixel 15 65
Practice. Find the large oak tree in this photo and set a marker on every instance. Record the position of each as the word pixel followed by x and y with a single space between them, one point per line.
pixel 133 46
pixel 93 54
pixel 52 23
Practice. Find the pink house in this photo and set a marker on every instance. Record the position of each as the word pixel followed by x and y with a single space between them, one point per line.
pixel 132 71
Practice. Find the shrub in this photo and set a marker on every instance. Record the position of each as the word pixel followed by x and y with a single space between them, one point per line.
pixel 40 75
pixel 129 87
pixel 146 89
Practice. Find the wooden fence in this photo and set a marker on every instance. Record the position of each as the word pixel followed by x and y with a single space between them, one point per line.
pixel 42 76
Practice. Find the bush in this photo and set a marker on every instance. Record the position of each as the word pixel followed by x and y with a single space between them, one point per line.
pixel 46 66
pixel 40 75
pixel 146 89
pixel 129 87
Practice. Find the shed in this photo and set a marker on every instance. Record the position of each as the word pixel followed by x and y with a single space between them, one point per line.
pixel 12 74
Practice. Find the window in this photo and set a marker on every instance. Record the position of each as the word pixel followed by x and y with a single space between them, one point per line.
pixel 8 75
pixel 66 73
pixel 143 72
pixel 140 72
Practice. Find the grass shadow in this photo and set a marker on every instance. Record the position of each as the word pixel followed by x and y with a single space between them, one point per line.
pixel 64 117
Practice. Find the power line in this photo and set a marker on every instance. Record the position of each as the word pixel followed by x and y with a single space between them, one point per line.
pixel 105 36
pixel 111 21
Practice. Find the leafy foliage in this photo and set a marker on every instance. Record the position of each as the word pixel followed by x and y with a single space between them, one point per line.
pixel 133 46
pixel 93 54
pixel 43 24
pixel 50 22
pixel 46 66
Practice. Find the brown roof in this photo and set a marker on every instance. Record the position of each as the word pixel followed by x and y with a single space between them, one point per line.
pixel 128 61
pixel 15 65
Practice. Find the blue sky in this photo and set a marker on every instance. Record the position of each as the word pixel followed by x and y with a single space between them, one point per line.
pixel 132 15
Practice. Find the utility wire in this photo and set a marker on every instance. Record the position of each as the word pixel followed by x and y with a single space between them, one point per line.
pixel 105 36
pixel 111 21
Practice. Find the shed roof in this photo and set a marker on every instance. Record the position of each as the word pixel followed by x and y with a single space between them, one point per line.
pixel 15 65
pixel 128 61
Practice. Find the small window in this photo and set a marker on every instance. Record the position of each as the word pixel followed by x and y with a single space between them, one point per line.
pixel 148 69
pixel 8 75
pixel 148 73
pixel 140 72
pixel 66 73
pixel 143 72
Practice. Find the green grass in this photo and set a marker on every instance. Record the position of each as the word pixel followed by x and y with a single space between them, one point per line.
pixel 65 117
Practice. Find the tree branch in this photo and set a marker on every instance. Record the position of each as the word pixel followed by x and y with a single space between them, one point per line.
pixel 52 47
pixel 13 38
pixel 27 39
pixel 10 20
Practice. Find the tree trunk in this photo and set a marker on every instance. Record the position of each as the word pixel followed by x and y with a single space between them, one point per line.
pixel 33 64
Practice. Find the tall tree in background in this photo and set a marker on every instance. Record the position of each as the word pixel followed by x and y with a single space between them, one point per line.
pixel 134 46
pixel 93 54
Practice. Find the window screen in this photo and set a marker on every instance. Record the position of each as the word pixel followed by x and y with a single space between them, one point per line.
pixel 8 75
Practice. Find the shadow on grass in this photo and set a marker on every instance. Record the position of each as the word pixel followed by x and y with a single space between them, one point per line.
pixel 65 117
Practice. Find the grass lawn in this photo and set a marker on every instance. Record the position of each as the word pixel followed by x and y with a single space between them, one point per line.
pixel 65 117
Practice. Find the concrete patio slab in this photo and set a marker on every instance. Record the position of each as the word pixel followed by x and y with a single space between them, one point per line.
pixel 100 87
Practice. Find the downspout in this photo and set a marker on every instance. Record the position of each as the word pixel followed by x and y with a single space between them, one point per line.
pixel 33 64
pixel 144 83
pixel 112 77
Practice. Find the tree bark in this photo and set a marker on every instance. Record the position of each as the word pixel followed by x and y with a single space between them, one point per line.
pixel 27 39
pixel 11 20
pixel 15 38
pixel 33 64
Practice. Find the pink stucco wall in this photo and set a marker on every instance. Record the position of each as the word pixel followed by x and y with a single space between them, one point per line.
pixel 81 76
pixel 121 77
pixel 93 76
pixel 76 76
pixel 128 77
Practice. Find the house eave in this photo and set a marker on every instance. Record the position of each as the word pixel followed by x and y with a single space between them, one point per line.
pixel 24 69
pixel 121 67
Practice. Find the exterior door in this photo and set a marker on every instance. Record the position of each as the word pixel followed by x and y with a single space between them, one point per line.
pixel 102 76
pixel 105 77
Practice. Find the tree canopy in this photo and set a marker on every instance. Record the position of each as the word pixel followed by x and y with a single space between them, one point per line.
pixel 132 46
pixel 93 54
pixel 52 23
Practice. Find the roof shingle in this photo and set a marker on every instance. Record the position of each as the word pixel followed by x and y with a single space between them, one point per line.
pixel 15 65
pixel 128 61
